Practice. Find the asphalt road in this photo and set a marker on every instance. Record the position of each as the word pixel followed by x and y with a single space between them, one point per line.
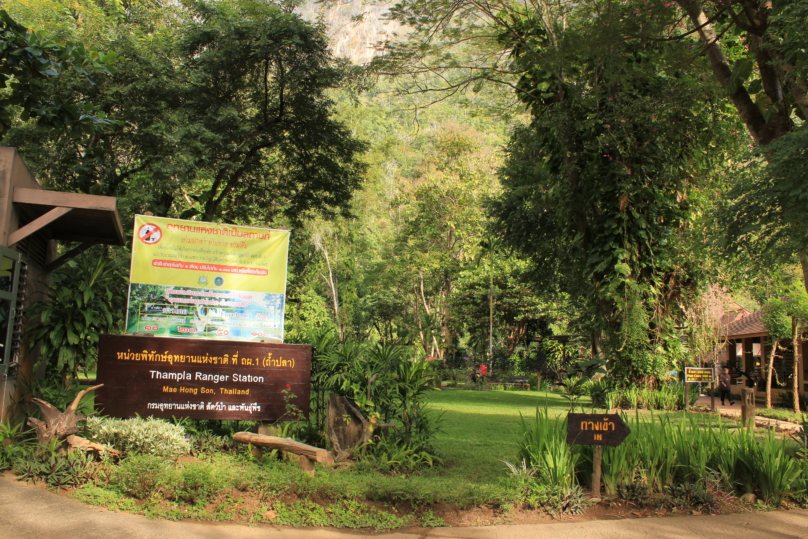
pixel 29 512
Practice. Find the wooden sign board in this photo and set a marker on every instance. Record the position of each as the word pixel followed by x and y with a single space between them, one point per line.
pixel 596 429
pixel 698 374
pixel 201 379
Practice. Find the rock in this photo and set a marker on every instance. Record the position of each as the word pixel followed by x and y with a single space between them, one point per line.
pixel 594 499
pixel 748 498
pixel 270 515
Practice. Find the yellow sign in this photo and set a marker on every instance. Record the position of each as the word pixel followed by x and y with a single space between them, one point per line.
pixel 698 374
pixel 207 280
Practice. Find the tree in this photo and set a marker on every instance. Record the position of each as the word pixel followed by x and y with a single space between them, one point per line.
pixel 765 211
pixel 599 191
pixel 753 49
pixel 778 326
pixel 258 79
pixel 27 61
pixel 227 117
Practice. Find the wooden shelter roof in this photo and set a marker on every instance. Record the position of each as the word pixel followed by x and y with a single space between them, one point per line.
pixel 71 217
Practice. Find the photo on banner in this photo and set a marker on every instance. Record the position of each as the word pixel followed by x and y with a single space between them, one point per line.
pixel 195 279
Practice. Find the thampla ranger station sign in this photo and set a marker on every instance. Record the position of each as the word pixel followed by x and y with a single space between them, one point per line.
pixel 164 377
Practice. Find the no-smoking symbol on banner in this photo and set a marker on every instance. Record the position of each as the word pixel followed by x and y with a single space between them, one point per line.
pixel 150 234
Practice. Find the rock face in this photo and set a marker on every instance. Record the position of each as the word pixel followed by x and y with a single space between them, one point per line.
pixel 346 426
pixel 356 29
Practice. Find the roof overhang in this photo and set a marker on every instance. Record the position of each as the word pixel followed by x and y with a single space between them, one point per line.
pixel 69 217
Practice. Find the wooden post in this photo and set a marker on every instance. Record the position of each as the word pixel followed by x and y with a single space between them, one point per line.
pixel 268 429
pixel 597 459
pixel 687 395
pixel 748 406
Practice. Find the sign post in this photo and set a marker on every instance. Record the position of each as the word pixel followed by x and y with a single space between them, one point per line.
pixel 699 375
pixel 597 430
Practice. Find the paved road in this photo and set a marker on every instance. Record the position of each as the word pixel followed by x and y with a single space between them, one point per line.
pixel 28 512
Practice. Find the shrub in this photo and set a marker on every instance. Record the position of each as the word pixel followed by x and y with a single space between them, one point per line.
pixel 72 469
pixel 14 443
pixel 554 499
pixel 666 397
pixel 787 400
pixel 663 456
pixel 144 476
pixel 201 480
pixel 147 436
pixel 774 471
pixel 543 446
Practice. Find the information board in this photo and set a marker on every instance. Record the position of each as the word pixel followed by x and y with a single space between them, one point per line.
pixel 168 377
pixel 698 374
pixel 206 280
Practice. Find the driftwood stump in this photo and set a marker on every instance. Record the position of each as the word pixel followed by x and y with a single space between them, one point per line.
pixel 308 453
pixel 346 427
pixel 58 425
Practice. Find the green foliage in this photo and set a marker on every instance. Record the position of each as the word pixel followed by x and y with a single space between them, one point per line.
pixel 155 437
pixel 111 499
pixel 691 495
pixel 344 514
pixel 430 520
pixel 554 499
pixel 145 476
pixel 57 470
pixel 542 444
pixel 663 456
pixel 83 302
pixel 593 189
pixel 667 397
pixel 385 386
pixel 391 454
pixel 15 443
pixel 222 103
pixel 201 481
pixel 27 61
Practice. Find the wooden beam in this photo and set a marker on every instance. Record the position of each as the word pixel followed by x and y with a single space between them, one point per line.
pixel 67 256
pixel 41 197
pixel 37 224
pixel 116 222
pixel 285 444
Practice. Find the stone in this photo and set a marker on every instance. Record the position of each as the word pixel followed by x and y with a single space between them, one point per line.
pixel 748 498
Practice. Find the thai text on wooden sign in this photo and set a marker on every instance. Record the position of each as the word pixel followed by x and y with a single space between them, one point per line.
pixel 596 429
pixel 698 374
pixel 202 379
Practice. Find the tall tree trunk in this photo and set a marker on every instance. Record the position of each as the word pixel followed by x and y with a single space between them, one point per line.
pixel 804 265
pixel 796 342
pixel 770 374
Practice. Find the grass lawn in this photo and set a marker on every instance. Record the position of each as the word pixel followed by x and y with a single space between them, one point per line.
pixel 479 428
